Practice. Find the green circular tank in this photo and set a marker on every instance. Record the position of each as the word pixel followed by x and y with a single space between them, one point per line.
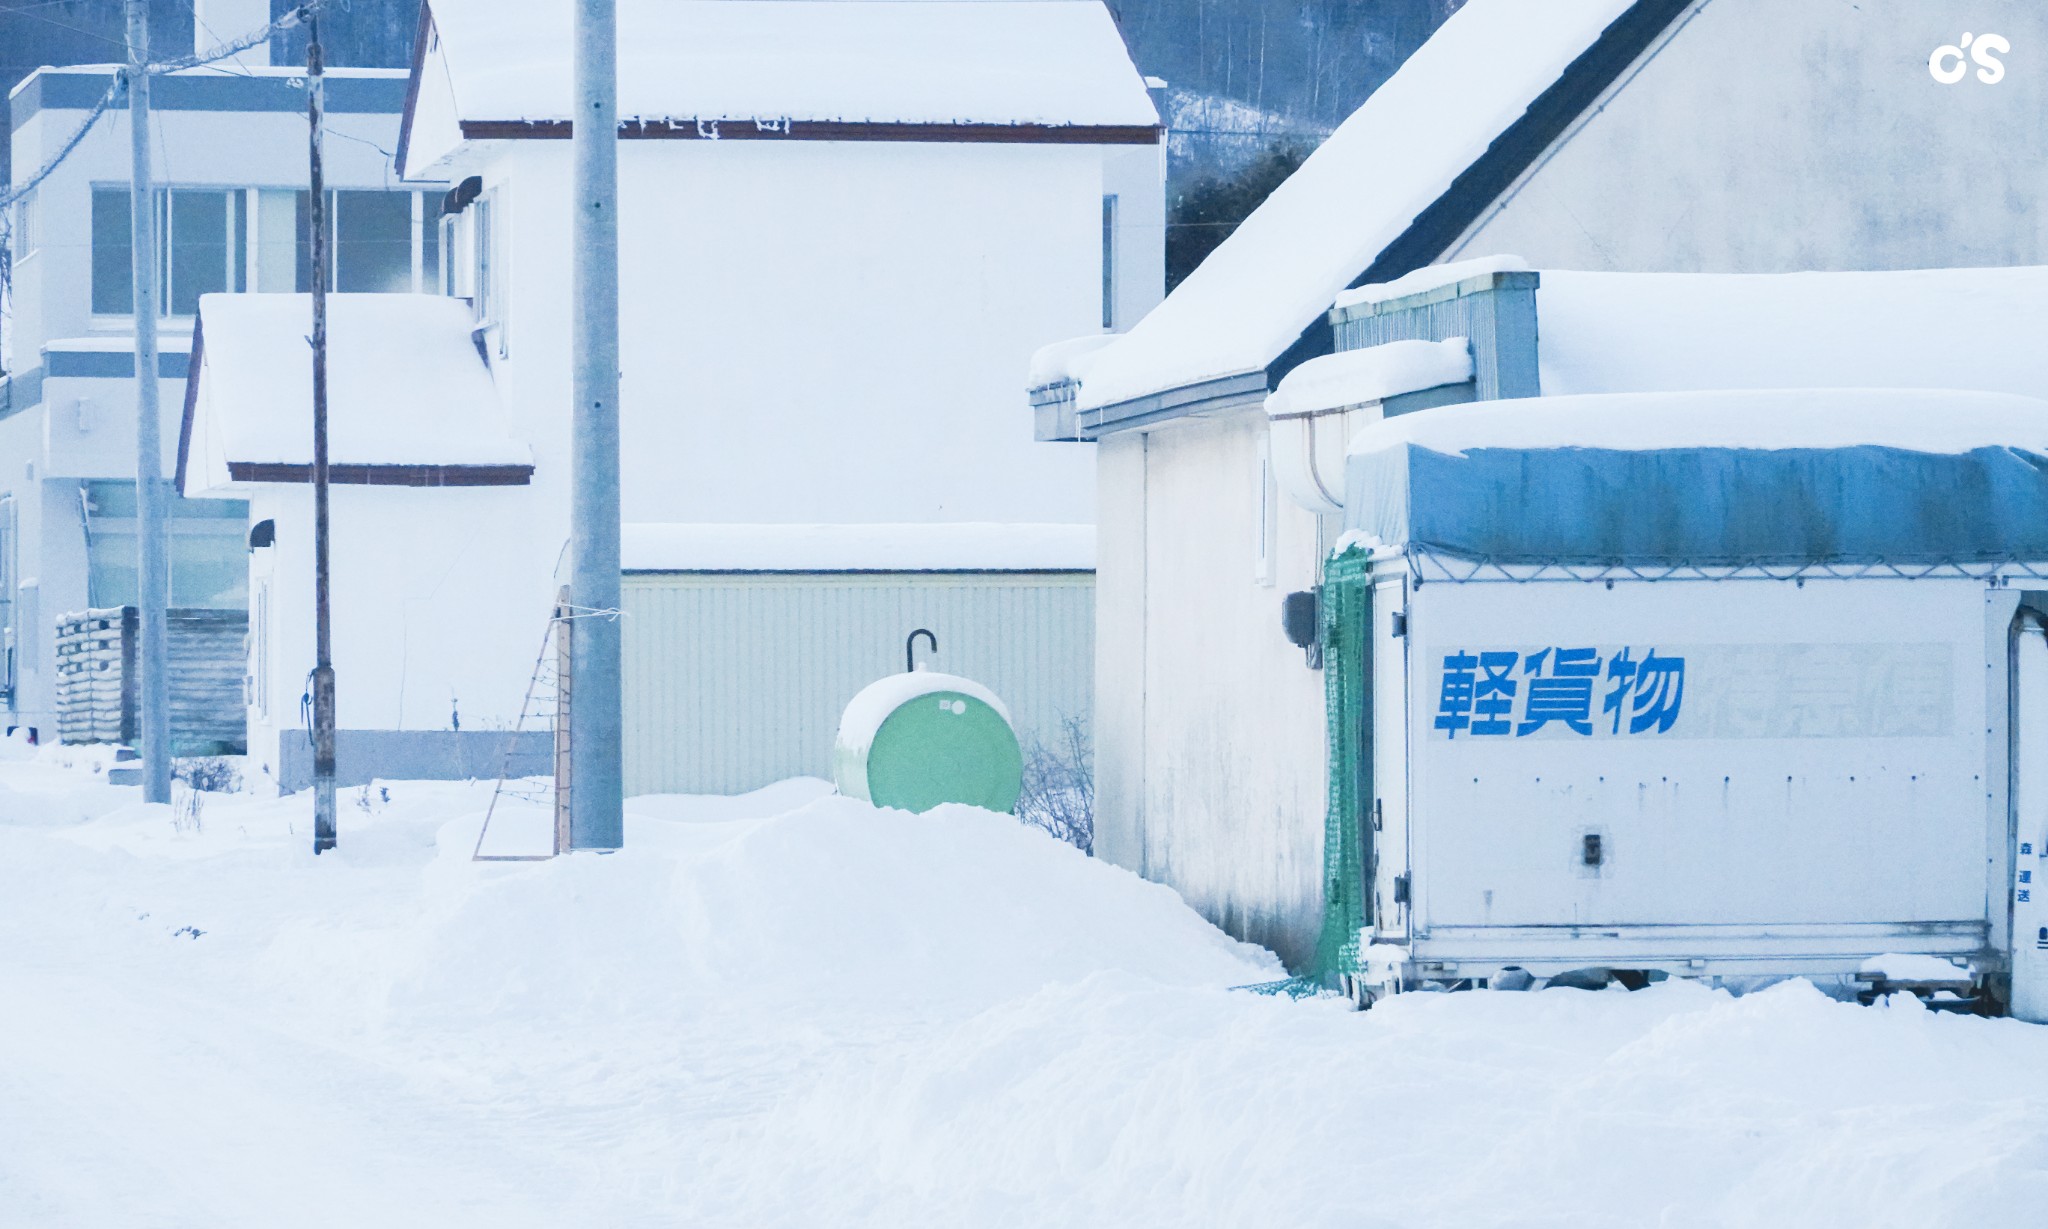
pixel 913 741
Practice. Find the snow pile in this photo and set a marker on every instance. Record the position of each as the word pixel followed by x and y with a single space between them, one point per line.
pixel 1054 62
pixel 1429 277
pixel 1357 193
pixel 1918 420
pixel 973 546
pixel 1357 377
pixel 406 385
pixel 791 1009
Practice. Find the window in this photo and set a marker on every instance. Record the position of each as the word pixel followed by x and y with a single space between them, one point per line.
pixel 259 649
pixel 208 549
pixel 26 237
pixel 1109 262
pixel 113 282
pixel 9 637
pixel 238 239
pixel 486 302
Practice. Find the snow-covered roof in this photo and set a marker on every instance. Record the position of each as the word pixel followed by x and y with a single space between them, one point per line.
pixel 959 547
pixel 1935 328
pixel 1428 278
pixel 1065 360
pixel 1355 377
pixel 406 387
pixel 1323 227
pixel 1772 477
pixel 854 61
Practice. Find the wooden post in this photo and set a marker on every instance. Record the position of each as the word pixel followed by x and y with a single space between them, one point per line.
pixel 323 630
pixel 565 630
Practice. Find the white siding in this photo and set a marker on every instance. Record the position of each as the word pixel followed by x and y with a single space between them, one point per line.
pixel 736 680
pixel 1768 137
pixel 1212 745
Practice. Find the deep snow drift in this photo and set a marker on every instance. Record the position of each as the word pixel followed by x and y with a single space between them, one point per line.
pixel 794 1009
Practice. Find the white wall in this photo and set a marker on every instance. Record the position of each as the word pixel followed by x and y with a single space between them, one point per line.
pixel 1199 689
pixel 1769 137
pixel 441 598
pixel 817 332
pixel 42 451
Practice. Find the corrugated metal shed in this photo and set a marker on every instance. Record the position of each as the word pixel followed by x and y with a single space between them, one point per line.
pixel 734 680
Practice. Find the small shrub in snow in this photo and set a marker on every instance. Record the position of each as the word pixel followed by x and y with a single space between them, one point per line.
pixel 200 776
pixel 1059 786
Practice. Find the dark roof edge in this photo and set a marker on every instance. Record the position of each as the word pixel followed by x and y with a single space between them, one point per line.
pixel 730 129
pixel 192 370
pixel 350 474
pixel 1517 149
pixel 412 87
pixel 1445 220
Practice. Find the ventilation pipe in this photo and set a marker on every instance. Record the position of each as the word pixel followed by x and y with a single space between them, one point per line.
pixel 1326 401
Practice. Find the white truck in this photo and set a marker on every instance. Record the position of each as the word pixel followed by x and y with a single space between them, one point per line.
pixel 1716 686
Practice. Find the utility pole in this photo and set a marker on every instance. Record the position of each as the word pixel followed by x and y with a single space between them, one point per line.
pixel 596 712
pixel 323 630
pixel 150 493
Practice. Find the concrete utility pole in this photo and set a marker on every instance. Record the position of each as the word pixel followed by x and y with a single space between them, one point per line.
pixel 596 714
pixel 151 496
pixel 323 630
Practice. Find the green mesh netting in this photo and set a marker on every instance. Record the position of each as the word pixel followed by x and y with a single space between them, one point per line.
pixel 1347 683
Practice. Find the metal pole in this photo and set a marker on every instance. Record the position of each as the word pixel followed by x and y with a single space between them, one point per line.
pixel 596 714
pixel 323 637
pixel 150 493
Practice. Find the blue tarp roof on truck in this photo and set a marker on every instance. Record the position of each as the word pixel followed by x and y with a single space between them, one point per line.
pixel 1792 478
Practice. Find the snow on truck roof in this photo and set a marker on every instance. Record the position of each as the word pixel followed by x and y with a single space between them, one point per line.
pixel 1914 420
pixel 850 61
pixel 407 387
pixel 1773 477
pixel 1920 328
pixel 1358 192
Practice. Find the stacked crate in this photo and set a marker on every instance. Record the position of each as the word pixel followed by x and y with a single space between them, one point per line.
pixel 97 681
pixel 96 700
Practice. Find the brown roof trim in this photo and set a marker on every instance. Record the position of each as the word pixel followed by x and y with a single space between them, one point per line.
pixel 191 398
pixel 384 475
pixel 422 34
pixel 825 130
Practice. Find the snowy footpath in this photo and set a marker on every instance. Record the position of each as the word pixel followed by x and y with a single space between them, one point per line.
pixel 794 1009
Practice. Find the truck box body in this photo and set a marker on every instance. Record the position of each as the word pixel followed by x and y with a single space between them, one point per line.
pixel 1602 736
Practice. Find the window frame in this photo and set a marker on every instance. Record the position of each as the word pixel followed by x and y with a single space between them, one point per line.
pixel 27 230
pixel 244 241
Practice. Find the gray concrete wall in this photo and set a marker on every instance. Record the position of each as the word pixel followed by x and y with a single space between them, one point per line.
pixel 363 756
pixel 1767 136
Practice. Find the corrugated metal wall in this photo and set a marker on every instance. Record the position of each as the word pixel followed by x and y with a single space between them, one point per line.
pixel 737 680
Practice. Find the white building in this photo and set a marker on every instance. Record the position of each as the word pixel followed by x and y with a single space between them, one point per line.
pixel 437 558
pixel 1688 136
pixel 230 154
pixel 844 229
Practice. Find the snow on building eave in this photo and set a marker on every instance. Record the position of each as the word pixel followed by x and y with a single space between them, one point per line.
pixel 1391 190
pixel 1056 71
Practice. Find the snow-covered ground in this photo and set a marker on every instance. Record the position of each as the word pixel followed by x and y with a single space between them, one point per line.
pixel 793 1009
